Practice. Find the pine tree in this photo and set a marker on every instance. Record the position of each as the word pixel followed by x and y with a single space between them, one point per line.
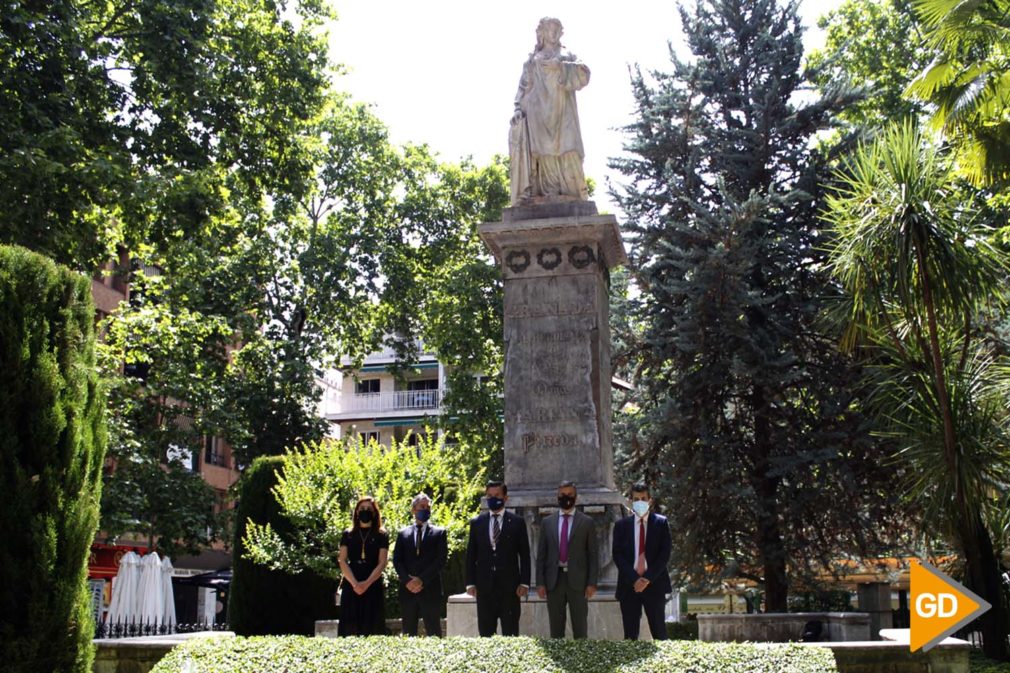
pixel 52 446
pixel 763 462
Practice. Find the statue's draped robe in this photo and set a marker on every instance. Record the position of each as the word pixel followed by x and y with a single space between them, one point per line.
pixel 546 147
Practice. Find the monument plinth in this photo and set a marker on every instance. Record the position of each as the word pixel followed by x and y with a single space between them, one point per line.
pixel 557 350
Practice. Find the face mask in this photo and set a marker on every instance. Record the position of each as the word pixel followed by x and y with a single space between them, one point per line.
pixel 423 515
pixel 365 516
pixel 566 501
pixel 641 507
pixel 495 504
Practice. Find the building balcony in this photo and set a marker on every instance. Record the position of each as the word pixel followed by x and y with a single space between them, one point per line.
pixel 393 403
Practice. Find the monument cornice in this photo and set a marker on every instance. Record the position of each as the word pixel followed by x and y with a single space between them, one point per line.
pixel 599 229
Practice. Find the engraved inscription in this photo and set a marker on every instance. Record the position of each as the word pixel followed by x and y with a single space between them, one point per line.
pixel 549 441
pixel 550 389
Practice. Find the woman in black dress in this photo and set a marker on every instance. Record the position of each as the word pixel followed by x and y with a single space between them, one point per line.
pixel 363 553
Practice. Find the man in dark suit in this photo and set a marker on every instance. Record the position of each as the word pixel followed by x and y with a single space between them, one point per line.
pixel 497 564
pixel 641 552
pixel 568 564
pixel 419 557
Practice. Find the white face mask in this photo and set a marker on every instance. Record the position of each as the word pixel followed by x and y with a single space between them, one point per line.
pixel 640 507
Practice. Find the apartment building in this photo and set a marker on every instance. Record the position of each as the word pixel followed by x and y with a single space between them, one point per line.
pixel 375 404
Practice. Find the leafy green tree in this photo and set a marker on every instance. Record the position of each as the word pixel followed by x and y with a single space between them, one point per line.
pixel 967 82
pixel 52 445
pixel 132 122
pixel 921 272
pixel 750 406
pixel 856 49
pixel 320 483
pixel 157 423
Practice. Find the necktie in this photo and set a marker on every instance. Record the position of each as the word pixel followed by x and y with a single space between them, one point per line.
pixel 495 531
pixel 418 535
pixel 563 556
pixel 640 564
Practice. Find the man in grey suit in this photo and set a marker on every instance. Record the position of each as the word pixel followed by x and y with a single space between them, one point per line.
pixel 568 564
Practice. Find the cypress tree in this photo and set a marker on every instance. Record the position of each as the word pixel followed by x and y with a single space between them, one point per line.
pixel 265 601
pixel 52 446
pixel 753 437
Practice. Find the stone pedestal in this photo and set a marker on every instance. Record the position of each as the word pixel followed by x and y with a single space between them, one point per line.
pixel 557 348
pixel 555 260
pixel 875 599
pixel 604 618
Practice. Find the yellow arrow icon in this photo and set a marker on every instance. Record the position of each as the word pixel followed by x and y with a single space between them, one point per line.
pixel 940 606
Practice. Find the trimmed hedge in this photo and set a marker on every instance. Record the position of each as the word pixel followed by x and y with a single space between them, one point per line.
pixel 52 446
pixel 264 601
pixel 379 654
pixel 982 664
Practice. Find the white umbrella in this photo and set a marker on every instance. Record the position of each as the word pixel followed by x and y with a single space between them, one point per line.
pixel 150 599
pixel 124 589
pixel 167 595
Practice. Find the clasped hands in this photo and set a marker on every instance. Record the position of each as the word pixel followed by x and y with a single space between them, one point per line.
pixel 415 585
pixel 640 585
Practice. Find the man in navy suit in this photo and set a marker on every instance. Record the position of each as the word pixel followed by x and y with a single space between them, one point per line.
pixel 419 557
pixel 497 564
pixel 641 552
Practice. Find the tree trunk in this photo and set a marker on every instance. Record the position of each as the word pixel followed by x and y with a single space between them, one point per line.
pixel 985 580
pixel 769 534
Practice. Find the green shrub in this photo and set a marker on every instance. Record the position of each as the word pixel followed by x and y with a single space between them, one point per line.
pixel 982 664
pixel 265 601
pixel 320 483
pixel 52 446
pixel 501 655
pixel 682 630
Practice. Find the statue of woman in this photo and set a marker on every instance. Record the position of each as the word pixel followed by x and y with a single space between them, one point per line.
pixel 545 142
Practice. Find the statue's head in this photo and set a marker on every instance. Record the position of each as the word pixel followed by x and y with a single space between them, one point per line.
pixel 549 29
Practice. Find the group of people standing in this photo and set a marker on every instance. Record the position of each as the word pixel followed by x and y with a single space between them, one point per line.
pixel 498 566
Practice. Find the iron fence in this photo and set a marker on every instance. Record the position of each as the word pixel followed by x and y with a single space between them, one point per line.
pixel 134 629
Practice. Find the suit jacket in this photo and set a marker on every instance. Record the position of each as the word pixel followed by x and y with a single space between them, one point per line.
pixel 658 545
pixel 583 551
pixel 428 564
pixel 508 565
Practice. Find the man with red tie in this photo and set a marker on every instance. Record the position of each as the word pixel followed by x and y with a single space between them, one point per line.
pixel 641 551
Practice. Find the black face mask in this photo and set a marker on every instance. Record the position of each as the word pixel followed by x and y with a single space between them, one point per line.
pixel 566 501
pixel 365 516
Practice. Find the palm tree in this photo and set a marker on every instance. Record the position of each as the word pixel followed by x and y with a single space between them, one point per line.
pixel 918 266
pixel 969 81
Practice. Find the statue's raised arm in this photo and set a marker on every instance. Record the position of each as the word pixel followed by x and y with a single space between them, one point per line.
pixel 545 142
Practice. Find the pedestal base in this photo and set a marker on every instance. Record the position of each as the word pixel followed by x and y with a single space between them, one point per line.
pixel 604 618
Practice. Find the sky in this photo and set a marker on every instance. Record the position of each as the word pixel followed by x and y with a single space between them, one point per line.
pixel 444 72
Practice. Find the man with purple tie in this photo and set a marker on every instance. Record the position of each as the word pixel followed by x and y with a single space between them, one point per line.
pixel 641 551
pixel 568 564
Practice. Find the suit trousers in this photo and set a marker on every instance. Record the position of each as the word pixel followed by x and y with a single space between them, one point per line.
pixel 563 596
pixel 653 602
pixel 498 602
pixel 425 605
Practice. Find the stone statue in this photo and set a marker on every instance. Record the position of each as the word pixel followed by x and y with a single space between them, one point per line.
pixel 545 142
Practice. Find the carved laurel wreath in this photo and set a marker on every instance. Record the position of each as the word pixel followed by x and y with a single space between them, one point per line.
pixel 549 258
pixel 517 261
pixel 581 256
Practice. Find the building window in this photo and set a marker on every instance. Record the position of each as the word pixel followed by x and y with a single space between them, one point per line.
pixel 214 452
pixel 366 437
pixel 423 384
pixel 367 387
